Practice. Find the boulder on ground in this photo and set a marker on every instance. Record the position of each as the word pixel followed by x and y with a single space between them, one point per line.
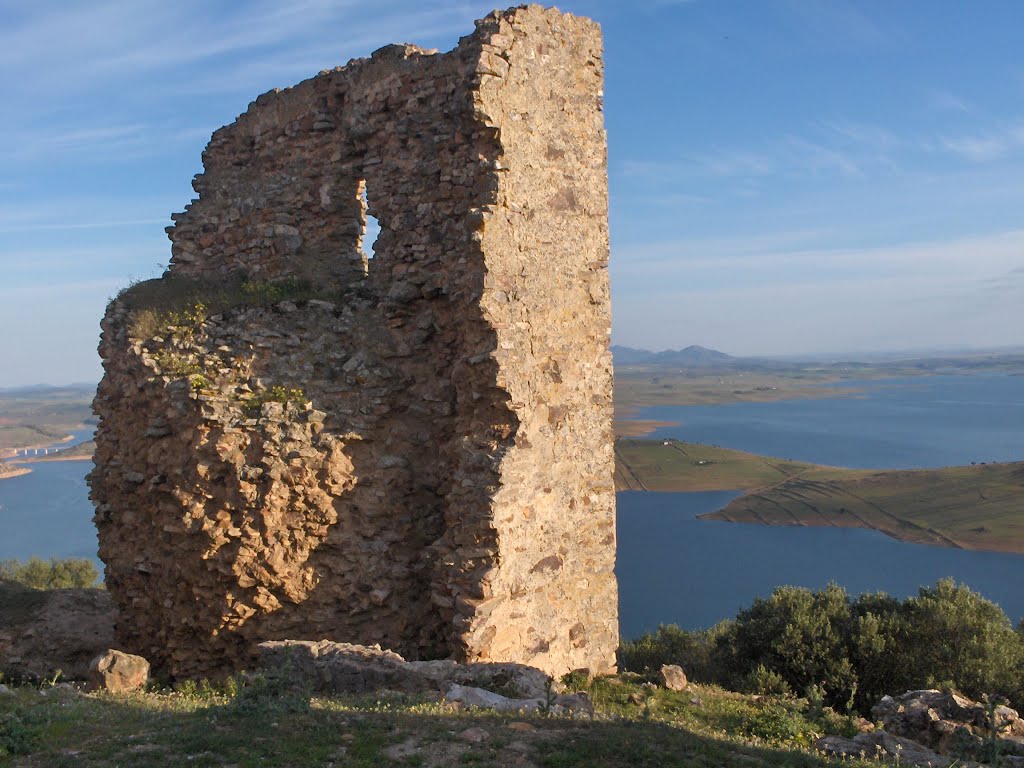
pixel 671 676
pixel 118 672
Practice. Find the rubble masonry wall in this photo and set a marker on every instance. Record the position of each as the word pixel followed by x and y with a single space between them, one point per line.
pixel 441 481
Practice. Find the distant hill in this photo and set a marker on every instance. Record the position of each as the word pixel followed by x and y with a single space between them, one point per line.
pixel 49 390
pixel 692 356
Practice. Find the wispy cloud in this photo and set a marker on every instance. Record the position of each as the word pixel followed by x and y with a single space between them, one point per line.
pixel 875 139
pixel 984 148
pixel 818 159
pixel 57 214
pixel 946 101
pixel 793 258
pixel 106 138
pixel 839 20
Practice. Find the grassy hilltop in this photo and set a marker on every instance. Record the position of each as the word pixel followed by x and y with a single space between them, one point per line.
pixel 261 725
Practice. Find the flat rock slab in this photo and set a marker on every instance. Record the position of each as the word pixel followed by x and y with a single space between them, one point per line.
pixel 329 667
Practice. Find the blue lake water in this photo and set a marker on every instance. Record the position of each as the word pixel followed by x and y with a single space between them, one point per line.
pixel 47 513
pixel 926 421
pixel 673 568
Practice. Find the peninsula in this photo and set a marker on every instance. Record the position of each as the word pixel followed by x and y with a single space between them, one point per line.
pixel 969 507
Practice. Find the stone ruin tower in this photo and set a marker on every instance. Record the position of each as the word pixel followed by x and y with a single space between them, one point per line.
pixel 415 449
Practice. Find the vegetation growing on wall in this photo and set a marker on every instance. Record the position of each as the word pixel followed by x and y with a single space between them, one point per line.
pixel 182 304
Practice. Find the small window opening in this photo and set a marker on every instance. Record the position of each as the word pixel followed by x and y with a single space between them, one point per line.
pixel 371 227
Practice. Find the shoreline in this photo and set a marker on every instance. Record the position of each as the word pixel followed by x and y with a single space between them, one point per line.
pixel 49 459
pixel 18 472
pixel 936 538
pixel 970 507
pixel 627 427
pixel 879 502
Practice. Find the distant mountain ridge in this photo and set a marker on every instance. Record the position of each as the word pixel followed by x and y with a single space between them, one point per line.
pixel 692 356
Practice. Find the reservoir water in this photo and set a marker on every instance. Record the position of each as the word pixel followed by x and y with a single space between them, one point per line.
pixel 673 568
pixel 924 421
pixel 676 569
pixel 47 513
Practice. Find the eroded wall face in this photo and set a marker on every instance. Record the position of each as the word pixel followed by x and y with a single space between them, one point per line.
pixel 413 450
pixel 553 596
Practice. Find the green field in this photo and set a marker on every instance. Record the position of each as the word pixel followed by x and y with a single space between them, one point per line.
pixel 973 507
pixel 674 465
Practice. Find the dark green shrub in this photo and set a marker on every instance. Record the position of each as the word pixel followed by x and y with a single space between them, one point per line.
pixel 801 635
pixel 267 693
pixel 765 682
pixel 952 633
pixel 55 574
pixel 693 651
pixel 851 654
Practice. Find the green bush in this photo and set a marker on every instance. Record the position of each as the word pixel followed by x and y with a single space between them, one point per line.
pixel 55 574
pixel 693 651
pixel 801 635
pixel 779 726
pixel 765 682
pixel 849 653
pixel 954 634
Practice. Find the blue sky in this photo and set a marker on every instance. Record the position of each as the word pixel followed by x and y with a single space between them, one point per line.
pixel 787 176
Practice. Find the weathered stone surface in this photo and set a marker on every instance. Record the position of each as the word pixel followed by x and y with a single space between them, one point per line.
pixel 671 676
pixel 330 667
pixel 118 672
pixel 882 745
pixel 949 722
pixel 557 704
pixel 444 484
pixel 61 629
pixel 934 728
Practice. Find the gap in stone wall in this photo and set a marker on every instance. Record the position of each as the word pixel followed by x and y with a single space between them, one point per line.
pixel 371 227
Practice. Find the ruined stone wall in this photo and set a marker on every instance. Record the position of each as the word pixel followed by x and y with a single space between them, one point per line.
pixel 413 450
